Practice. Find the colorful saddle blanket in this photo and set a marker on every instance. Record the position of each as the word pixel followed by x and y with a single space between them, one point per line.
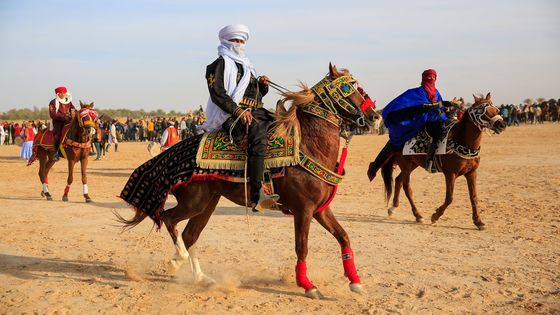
pixel 217 152
pixel 420 143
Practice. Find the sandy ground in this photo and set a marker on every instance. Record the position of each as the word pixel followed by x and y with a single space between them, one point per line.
pixel 70 257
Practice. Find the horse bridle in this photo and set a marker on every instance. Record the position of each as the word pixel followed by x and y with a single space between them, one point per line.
pixel 477 113
pixel 335 93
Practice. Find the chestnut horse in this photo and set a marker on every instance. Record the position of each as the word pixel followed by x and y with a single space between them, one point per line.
pixel 301 192
pixel 463 161
pixel 76 146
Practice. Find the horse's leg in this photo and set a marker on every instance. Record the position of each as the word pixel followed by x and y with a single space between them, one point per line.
pixel 409 194
pixel 396 195
pixel 471 183
pixel 449 187
pixel 83 166
pixel 191 203
pixel 330 223
pixel 302 221
pixel 190 236
pixel 70 178
pixel 48 163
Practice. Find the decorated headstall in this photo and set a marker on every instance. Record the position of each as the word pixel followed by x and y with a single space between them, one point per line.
pixel 478 114
pixel 87 115
pixel 335 92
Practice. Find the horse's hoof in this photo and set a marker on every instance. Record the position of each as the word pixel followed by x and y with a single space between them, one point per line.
pixel 42 193
pixel 390 211
pixel 356 288
pixel 419 220
pixel 204 280
pixel 49 198
pixel 65 198
pixel 88 200
pixel 314 294
pixel 174 265
pixel 481 227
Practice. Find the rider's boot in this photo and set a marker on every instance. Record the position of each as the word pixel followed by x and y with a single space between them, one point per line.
pixel 381 159
pixel 259 198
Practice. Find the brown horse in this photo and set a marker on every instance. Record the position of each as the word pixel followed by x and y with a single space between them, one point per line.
pixel 463 161
pixel 301 192
pixel 76 147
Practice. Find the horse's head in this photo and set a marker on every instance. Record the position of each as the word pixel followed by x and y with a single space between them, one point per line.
pixel 87 116
pixel 343 95
pixel 485 115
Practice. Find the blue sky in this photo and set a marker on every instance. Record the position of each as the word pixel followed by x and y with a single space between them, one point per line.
pixel 153 54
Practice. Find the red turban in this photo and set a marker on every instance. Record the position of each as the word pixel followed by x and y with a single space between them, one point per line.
pixel 61 89
pixel 429 84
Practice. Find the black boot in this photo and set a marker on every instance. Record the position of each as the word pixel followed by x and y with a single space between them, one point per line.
pixel 259 199
pixel 380 159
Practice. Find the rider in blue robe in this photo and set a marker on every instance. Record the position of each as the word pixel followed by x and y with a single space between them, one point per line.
pixel 409 114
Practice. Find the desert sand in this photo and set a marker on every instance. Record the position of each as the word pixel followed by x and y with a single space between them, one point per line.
pixel 70 257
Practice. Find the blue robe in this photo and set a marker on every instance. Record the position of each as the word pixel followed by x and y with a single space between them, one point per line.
pixel 405 119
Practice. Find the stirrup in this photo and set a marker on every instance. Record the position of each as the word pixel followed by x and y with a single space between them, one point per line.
pixel 266 202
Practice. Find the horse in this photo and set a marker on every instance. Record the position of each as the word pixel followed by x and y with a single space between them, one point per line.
pixel 319 116
pixel 76 143
pixel 462 161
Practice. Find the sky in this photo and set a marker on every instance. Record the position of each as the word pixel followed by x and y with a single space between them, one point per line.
pixel 149 55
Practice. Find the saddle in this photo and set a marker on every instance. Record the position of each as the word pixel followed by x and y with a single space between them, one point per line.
pixel 217 151
pixel 420 143
pixel 45 139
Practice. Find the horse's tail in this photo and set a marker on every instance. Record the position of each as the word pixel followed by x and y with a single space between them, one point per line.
pixel 139 216
pixel 387 174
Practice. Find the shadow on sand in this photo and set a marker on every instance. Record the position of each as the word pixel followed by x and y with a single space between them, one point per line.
pixel 30 268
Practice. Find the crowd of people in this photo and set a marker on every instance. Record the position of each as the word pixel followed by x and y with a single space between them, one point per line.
pixel 152 128
pixel 109 132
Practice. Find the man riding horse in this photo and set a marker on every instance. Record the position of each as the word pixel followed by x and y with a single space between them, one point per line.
pixel 236 96
pixel 412 111
pixel 60 110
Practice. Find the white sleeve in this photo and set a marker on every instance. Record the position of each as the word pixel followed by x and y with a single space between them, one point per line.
pixel 163 138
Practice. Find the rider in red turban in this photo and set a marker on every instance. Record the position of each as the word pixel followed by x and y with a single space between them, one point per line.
pixel 60 110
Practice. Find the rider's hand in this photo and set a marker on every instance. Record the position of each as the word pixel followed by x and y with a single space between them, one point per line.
pixel 264 80
pixel 246 118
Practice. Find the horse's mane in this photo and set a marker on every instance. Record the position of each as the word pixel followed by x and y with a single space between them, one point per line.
pixel 286 120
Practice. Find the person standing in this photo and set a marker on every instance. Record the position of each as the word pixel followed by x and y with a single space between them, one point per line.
pixel 236 92
pixel 27 135
pixel 169 137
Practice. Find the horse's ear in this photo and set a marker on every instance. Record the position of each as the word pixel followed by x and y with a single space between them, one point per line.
pixel 488 96
pixel 475 98
pixel 91 105
pixel 82 103
pixel 332 69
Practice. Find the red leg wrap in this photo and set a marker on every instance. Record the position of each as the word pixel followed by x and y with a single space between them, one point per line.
pixel 66 189
pixel 349 266
pixel 46 180
pixel 301 276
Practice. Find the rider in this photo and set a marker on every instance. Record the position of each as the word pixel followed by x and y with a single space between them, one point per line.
pixel 60 110
pixel 414 110
pixel 236 93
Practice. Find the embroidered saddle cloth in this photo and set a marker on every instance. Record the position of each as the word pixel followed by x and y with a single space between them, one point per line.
pixel 420 143
pixel 217 152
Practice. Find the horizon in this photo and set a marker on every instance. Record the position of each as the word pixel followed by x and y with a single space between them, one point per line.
pixel 152 55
